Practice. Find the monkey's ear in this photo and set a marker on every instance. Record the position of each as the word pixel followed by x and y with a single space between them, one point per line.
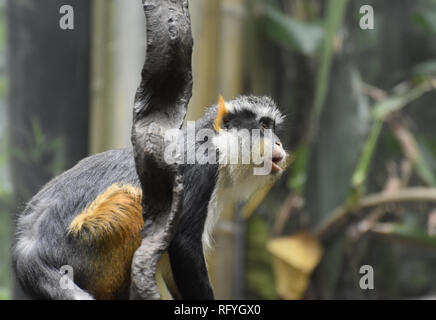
pixel 222 112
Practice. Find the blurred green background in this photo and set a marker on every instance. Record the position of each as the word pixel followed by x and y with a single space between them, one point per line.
pixel 5 185
pixel 361 113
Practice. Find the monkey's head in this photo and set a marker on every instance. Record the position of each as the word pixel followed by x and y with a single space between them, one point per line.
pixel 249 148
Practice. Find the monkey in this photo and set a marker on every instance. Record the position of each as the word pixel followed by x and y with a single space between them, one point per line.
pixel 90 218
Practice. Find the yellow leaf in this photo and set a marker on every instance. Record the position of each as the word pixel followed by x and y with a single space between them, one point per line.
pixel 295 257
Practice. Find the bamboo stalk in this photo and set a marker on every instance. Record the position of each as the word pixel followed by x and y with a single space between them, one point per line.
pixel 117 55
pixel 230 84
pixel 99 118
pixel 206 18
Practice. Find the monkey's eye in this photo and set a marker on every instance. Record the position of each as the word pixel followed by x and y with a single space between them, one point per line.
pixel 226 122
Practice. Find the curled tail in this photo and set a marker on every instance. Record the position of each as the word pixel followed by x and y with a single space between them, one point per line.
pixel 38 278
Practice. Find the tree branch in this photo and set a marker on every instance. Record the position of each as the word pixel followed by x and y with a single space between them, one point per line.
pixel 404 195
pixel 160 104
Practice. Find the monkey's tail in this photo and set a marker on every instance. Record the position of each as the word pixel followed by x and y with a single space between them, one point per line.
pixel 38 278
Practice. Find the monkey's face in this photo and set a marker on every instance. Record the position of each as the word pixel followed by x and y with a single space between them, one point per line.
pixel 247 137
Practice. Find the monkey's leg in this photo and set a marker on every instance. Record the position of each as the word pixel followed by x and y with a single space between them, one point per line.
pixel 189 268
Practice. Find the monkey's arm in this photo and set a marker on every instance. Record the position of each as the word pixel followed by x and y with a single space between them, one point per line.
pixel 189 269
pixel 160 104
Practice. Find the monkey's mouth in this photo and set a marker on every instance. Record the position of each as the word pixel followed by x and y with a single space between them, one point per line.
pixel 275 164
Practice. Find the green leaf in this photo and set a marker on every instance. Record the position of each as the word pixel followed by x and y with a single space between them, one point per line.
pixel 359 176
pixel 298 174
pixel 424 171
pixel 295 35
pixel 396 103
pixel 423 163
pixel 380 111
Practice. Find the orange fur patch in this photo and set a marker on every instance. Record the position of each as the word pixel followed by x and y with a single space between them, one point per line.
pixel 222 111
pixel 111 225
pixel 116 213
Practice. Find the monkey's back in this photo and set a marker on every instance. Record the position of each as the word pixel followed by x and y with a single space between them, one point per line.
pixel 89 218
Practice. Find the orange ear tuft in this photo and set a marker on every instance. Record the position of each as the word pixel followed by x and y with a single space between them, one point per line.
pixel 222 111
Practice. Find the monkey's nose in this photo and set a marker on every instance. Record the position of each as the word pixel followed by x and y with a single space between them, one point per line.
pixel 278 149
pixel 278 152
